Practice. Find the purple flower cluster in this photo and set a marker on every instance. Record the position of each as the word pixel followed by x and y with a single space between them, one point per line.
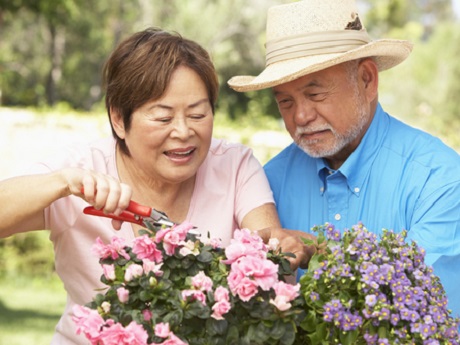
pixel 377 291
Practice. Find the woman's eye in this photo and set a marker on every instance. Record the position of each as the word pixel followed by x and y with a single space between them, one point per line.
pixel 164 119
pixel 197 116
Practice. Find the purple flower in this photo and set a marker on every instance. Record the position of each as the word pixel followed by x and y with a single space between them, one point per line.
pixel 427 330
pixel 394 319
pixel 371 300
pixel 314 296
pixel 370 339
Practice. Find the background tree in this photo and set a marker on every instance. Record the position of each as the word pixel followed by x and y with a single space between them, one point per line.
pixel 52 51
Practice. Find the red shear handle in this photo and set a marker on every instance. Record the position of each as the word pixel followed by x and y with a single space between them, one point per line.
pixel 133 207
pixel 124 216
pixel 139 209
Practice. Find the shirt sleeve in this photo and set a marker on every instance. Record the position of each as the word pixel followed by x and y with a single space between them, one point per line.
pixel 436 228
pixel 253 189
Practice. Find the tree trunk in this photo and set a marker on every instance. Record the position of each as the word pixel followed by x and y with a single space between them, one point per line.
pixel 56 53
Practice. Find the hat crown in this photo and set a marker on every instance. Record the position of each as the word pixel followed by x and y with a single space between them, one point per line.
pixel 310 16
pixel 307 36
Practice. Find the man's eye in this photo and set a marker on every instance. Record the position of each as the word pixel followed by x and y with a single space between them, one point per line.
pixel 284 102
pixel 317 96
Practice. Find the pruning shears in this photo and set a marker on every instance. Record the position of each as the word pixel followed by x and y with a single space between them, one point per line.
pixel 137 214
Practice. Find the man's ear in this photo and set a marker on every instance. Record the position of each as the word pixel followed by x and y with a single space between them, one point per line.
pixel 117 123
pixel 369 76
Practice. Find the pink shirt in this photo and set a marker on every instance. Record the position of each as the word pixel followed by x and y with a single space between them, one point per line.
pixel 229 184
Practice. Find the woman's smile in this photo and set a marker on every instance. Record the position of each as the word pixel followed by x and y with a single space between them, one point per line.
pixel 180 155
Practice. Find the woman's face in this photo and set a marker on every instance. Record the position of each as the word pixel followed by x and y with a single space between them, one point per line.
pixel 169 138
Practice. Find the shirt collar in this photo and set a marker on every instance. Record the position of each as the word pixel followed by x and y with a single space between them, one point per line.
pixel 357 166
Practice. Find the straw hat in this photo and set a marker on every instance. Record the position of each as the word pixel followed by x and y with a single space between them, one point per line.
pixel 311 35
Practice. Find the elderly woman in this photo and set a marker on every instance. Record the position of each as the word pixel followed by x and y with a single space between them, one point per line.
pixel 161 91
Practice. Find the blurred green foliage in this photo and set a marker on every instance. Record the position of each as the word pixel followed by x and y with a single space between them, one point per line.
pixel 26 255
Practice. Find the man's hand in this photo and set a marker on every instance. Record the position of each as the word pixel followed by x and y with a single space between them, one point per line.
pixel 291 241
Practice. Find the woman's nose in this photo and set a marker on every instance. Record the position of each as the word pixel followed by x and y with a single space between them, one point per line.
pixel 181 128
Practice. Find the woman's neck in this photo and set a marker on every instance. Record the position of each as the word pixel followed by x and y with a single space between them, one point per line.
pixel 171 198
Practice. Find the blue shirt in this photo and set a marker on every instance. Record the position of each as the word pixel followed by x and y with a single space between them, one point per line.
pixel 397 178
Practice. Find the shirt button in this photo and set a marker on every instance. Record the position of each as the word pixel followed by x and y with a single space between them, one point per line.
pixel 337 216
pixel 356 190
pixel 321 189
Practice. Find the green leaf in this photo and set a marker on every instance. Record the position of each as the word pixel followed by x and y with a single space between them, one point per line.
pixel 348 338
pixel 233 335
pixel 145 295
pixel 204 256
pixel 216 327
pixel 289 335
pixel 323 330
pixel 309 323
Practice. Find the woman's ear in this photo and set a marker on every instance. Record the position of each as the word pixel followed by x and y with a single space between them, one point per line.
pixel 117 122
pixel 369 76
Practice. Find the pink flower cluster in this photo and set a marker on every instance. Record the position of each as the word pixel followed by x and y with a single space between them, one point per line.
pixel 162 331
pixel 101 332
pixel 251 270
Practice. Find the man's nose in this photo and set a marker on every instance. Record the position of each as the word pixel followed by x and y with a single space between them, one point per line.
pixel 304 113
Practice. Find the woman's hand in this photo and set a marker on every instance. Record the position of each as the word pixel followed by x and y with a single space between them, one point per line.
pixel 101 191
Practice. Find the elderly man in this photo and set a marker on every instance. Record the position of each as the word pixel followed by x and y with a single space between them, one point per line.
pixel 350 160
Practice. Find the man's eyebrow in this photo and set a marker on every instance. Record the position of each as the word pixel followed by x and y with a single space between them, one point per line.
pixel 312 83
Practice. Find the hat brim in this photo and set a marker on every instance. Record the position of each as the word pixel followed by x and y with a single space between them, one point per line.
pixel 386 52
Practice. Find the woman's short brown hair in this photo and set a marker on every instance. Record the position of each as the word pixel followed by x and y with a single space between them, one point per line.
pixel 140 68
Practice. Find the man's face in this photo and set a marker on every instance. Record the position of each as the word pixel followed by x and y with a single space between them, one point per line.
pixel 326 112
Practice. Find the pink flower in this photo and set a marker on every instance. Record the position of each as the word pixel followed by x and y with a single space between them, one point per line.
pixel 215 243
pixel 222 305
pixel 145 248
pixel 285 293
pixel 247 236
pixel 174 340
pixel 202 282
pixel 88 321
pixel 109 272
pixel 264 272
pixel 288 290
pixel 245 243
pixel 151 266
pixel 123 294
pixel 147 314
pixel 281 303
pixel 116 334
pixel 162 330
pixel 133 271
pixel 172 237
pixel 246 288
pixel 195 295
pixel 112 250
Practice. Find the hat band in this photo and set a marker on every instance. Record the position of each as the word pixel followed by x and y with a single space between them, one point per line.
pixel 314 43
